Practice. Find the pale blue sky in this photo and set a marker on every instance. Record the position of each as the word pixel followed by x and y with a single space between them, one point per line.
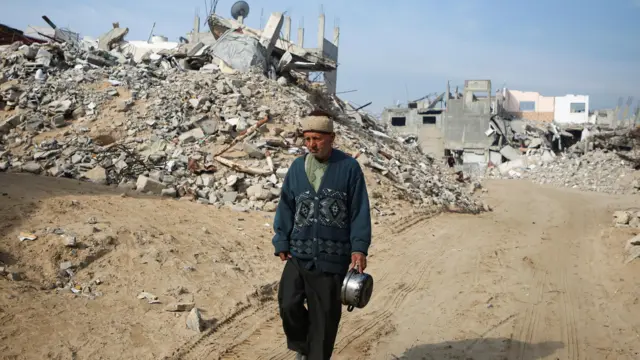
pixel 389 48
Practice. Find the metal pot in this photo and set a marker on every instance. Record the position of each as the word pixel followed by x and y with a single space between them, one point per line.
pixel 356 289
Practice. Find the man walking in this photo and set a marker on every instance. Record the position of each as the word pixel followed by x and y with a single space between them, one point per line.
pixel 322 228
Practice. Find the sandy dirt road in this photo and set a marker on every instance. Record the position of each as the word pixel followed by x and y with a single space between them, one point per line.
pixel 541 277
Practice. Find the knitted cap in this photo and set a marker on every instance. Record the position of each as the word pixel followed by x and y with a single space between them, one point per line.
pixel 316 123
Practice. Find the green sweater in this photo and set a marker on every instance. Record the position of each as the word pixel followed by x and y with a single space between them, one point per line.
pixel 324 226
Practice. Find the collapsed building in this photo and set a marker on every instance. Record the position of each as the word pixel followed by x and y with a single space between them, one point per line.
pixel 474 130
pixel 212 121
pixel 463 125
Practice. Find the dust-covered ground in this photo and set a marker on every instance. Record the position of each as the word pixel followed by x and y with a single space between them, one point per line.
pixel 540 277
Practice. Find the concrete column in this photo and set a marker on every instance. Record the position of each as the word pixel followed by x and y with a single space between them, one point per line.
pixel 287 28
pixel 321 34
pixel 196 30
pixel 331 77
pixel 301 37
pixel 271 32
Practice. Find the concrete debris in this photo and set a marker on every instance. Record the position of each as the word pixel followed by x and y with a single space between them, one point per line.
pixel 113 37
pixel 180 307
pixel 632 249
pixel 66 265
pixel 25 236
pixel 96 175
pixel 145 184
pixel 194 320
pixel 68 240
pixel 151 298
pixel 598 171
pixel 586 157
pixel 241 52
pixel 213 137
pixel 626 219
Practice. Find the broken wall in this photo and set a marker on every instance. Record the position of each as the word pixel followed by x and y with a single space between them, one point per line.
pixel 606 117
pixel 465 129
pixel 529 105
pixel 427 126
pixel 572 109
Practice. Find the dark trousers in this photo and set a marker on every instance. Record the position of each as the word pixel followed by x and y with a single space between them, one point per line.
pixel 311 331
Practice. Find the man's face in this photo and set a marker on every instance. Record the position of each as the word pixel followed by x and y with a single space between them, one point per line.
pixel 319 144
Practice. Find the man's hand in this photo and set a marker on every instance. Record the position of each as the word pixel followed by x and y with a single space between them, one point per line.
pixel 284 256
pixel 359 260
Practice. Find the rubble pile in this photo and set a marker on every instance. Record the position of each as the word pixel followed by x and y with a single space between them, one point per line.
pixel 213 136
pixel 598 171
pixel 602 161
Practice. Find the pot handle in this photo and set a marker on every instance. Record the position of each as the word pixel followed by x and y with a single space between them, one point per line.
pixel 350 308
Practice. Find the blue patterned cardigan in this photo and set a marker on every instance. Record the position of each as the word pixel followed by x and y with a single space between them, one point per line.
pixel 323 228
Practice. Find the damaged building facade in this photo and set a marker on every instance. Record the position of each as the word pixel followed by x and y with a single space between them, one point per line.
pixel 282 53
pixel 451 125
pixel 422 119
pixel 478 127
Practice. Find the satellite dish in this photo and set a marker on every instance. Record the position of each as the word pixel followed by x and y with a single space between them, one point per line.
pixel 240 10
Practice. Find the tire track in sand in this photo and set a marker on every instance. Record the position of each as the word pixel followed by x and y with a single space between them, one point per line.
pixel 267 342
pixel 529 330
pixel 233 326
pixel 409 280
pixel 569 326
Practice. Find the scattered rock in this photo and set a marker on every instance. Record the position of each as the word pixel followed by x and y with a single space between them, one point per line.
pixel 32 167
pixel 145 184
pixel 14 276
pixel 96 175
pixel 253 151
pixel 270 207
pixel 621 218
pixel 191 136
pixel 171 192
pixel 68 240
pixel 25 236
pixel 66 265
pixel 180 307
pixel 194 320
pixel 632 249
pixel 151 298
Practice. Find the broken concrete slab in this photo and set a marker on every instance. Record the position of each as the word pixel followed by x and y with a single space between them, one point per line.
pixel 208 126
pixel 32 167
pixel 285 62
pixel 11 123
pixel 194 320
pixel 96 175
pixel 253 151
pixel 258 192
pixel 58 121
pixel 145 184
pixel 271 32
pixel 195 48
pixel 44 57
pixel 180 307
pixel 107 41
pixel 191 135
pixel 510 153
pixel 508 166
pixel 240 52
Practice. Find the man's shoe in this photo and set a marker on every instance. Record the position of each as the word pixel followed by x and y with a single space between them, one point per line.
pixel 301 357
